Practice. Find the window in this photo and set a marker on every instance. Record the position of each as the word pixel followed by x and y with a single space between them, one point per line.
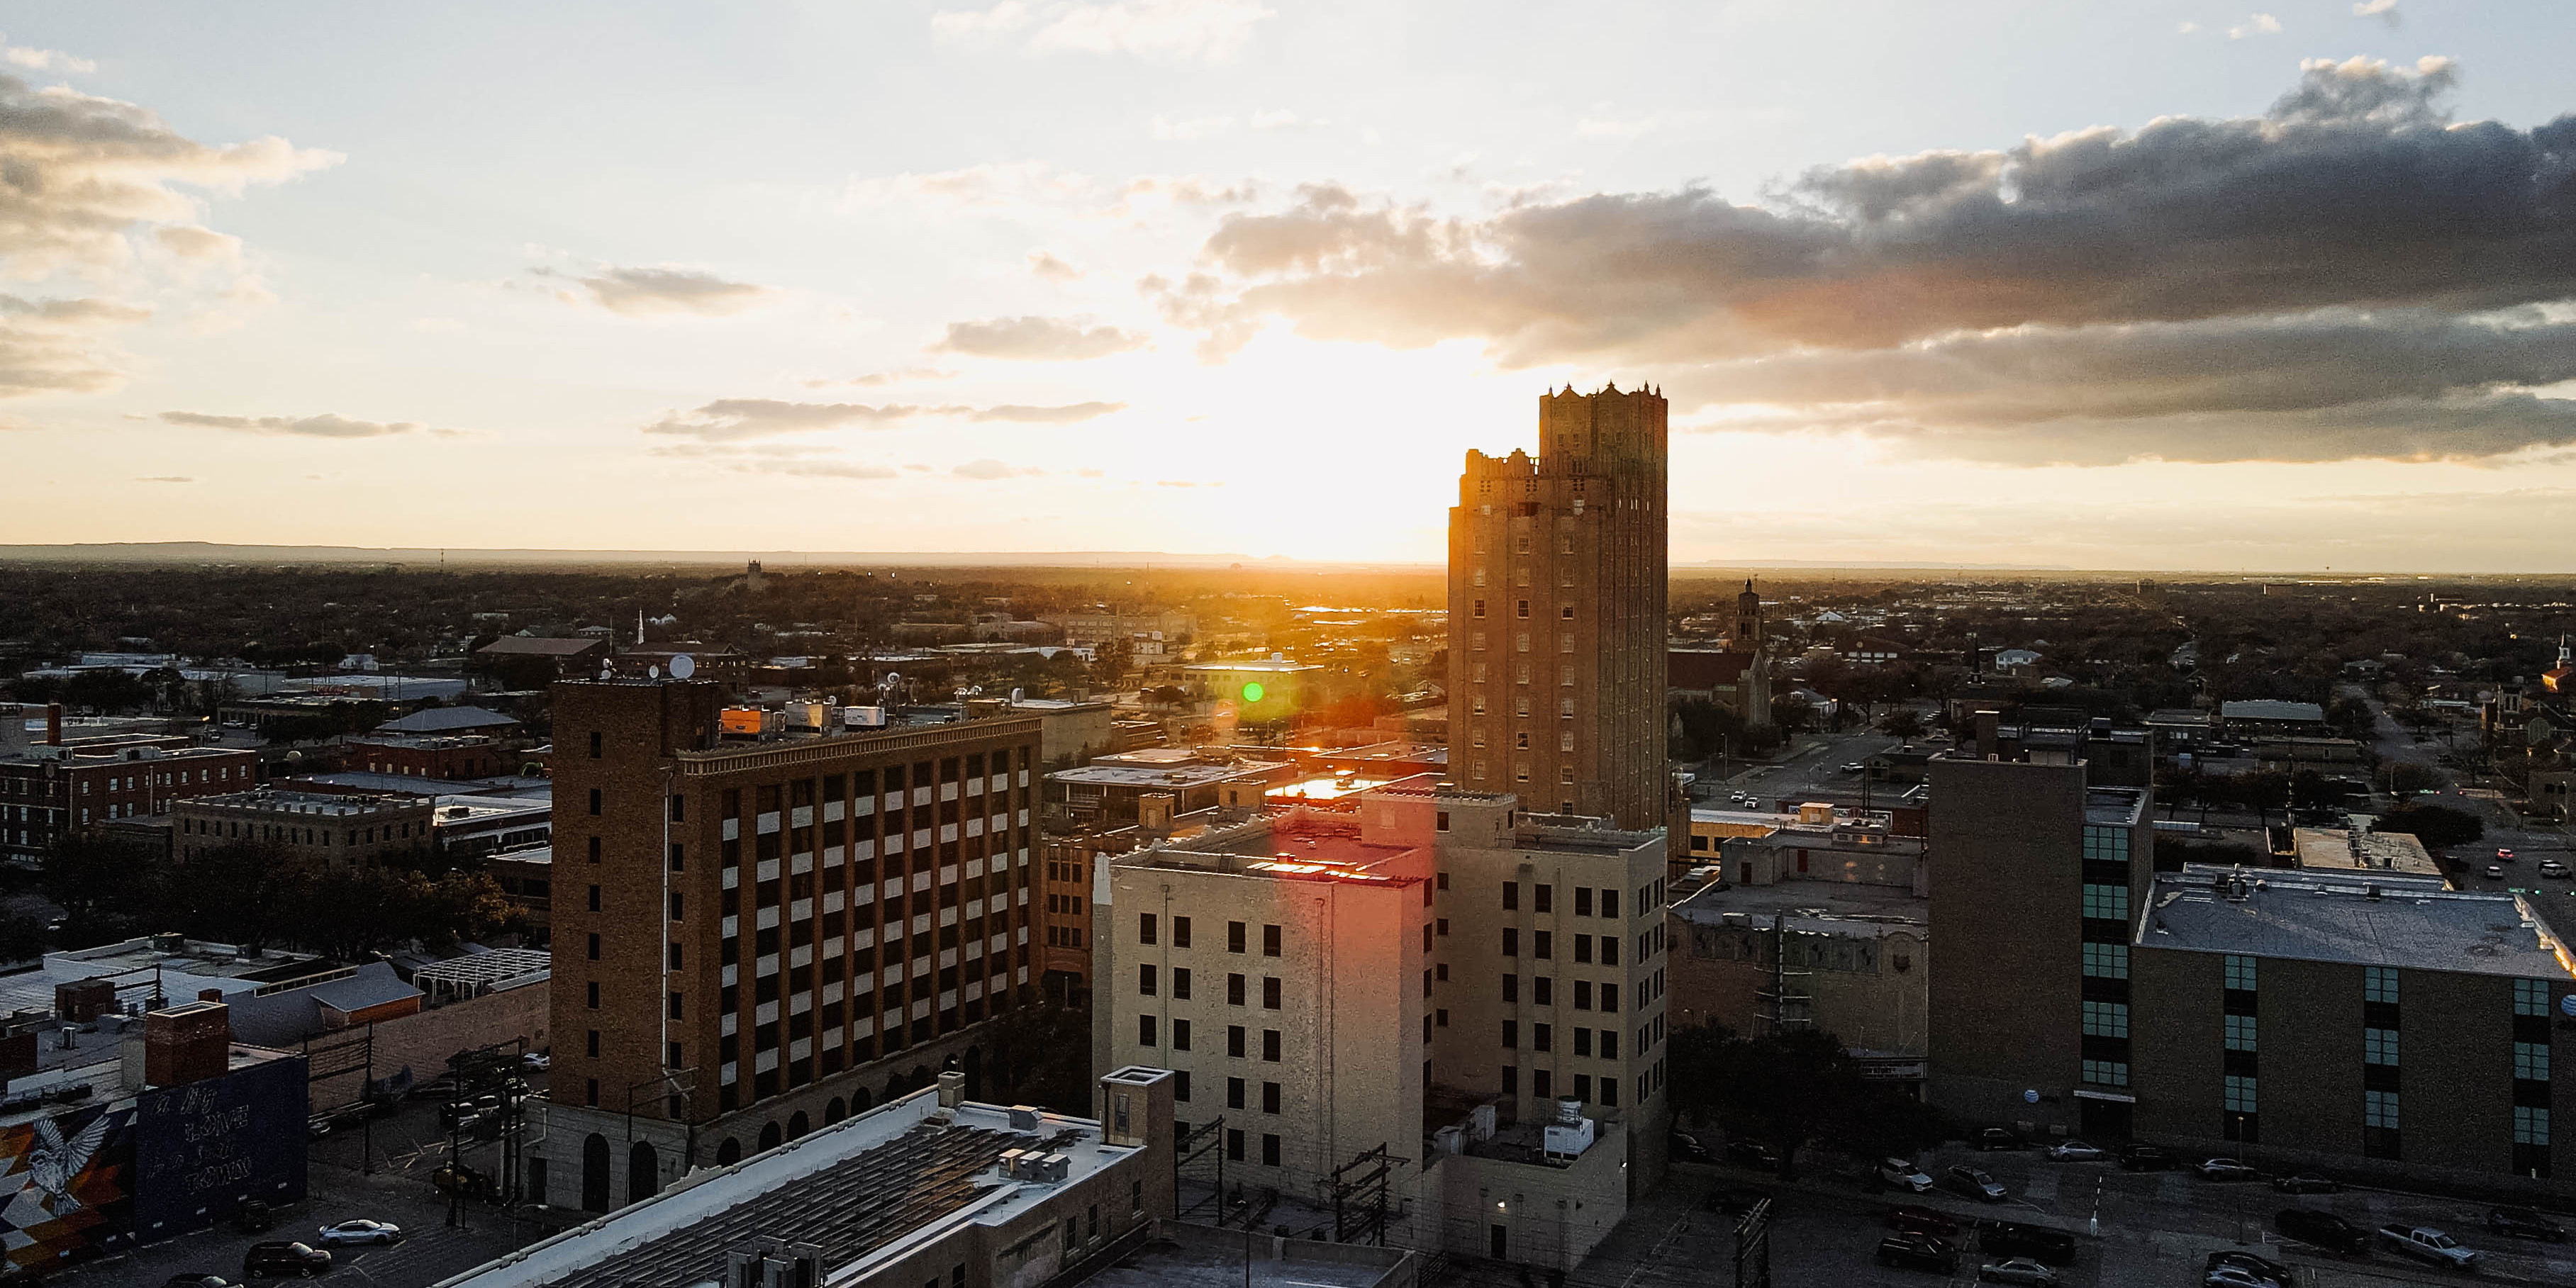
pixel 2106 961
pixel 594 801
pixel 1583 948
pixel 1511 1034
pixel 2240 1032
pixel 1511 896
pixel 2379 1109
pixel 2107 902
pixel 2240 1096
pixel 1234 1040
pixel 1270 1045
pixel 1234 1093
pixel 594 947
pixel 1511 988
pixel 1181 983
pixel 1181 939
pixel 2531 1061
pixel 1543 898
pixel 2379 1046
pixel 2106 1019
pixel 1145 980
pixel 1511 942
pixel 1180 1035
pixel 1234 936
pixel 2531 997
pixel 1480 609
pixel 1234 990
pixel 1523 609
pixel 594 995
pixel 2106 1073
pixel 1609 903
pixel 1542 1037
pixel 1270 992
pixel 596 739
pixel 1583 901
pixel 1609 1048
pixel 2530 1125
pixel 2379 984
pixel 1270 1097
pixel 1269 1149
pixel 1543 944
pixel 1145 928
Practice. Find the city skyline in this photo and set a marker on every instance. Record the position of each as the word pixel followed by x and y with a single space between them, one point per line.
pixel 1153 274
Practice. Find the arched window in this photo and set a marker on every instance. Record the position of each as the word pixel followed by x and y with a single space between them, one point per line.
pixel 643 1172
pixel 798 1124
pixel 836 1111
pixel 769 1135
pixel 729 1153
pixel 594 1173
pixel 974 1070
pixel 859 1102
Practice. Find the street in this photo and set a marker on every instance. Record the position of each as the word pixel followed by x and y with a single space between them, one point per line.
pixel 1811 770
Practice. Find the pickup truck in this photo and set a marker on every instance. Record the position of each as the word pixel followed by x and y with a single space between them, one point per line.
pixel 2425 1243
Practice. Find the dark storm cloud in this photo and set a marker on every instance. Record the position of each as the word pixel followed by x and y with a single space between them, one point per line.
pixel 2188 268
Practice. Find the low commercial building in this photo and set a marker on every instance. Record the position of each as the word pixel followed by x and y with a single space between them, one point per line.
pixel 1108 791
pixel 929 1188
pixel 471 826
pixel 428 755
pixel 1257 689
pixel 1822 843
pixel 49 790
pixel 330 829
pixel 2337 849
pixel 1842 958
pixel 2271 716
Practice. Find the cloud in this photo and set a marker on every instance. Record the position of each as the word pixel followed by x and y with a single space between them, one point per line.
pixel 1162 30
pixel 59 346
pixel 1192 129
pixel 660 290
pixel 1037 339
pixel 325 425
pixel 988 468
pixel 85 173
pixel 2384 10
pixel 44 60
pixel 1283 119
pixel 2188 27
pixel 1068 414
pixel 731 421
pixel 2100 277
pixel 1047 266
pixel 165 478
pixel 903 375
pixel 2261 24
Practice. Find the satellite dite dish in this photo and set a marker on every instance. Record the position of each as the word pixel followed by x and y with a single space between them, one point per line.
pixel 607 673
pixel 652 673
pixel 683 666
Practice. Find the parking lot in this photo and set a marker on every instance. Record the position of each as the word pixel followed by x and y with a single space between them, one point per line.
pixel 2156 1228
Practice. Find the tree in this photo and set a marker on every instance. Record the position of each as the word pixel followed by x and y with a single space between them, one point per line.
pixel 1903 722
pixel 105 887
pixel 2407 778
pixel 1789 1089
pixel 2434 825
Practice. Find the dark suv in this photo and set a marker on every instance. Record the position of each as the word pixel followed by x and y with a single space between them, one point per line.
pixel 1920 1251
pixel 2324 1229
pixel 2014 1239
pixel 2147 1158
pixel 276 1257
pixel 2523 1223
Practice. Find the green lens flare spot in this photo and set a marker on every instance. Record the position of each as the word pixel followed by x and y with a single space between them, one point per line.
pixel 1252 692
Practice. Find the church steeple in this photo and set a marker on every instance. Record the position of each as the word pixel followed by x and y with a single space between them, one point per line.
pixel 1748 621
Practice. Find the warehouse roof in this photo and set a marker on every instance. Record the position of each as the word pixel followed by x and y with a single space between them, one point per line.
pixel 2370 919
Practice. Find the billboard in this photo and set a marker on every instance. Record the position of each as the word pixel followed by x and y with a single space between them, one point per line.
pixel 202 1148
pixel 66 1185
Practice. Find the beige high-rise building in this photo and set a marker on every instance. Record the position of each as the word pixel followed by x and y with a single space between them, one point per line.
pixel 1557 570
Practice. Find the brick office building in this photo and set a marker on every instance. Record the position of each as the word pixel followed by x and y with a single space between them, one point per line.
pixel 755 936
pixel 330 828
pixel 1557 572
pixel 49 791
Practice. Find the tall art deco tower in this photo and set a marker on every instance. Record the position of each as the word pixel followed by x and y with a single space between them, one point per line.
pixel 1557 574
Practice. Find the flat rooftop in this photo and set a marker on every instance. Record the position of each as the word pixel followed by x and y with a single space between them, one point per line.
pixel 1283 849
pixel 866 1188
pixel 271 800
pixel 2333 848
pixel 182 971
pixel 2332 917
pixel 1840 903
pixel 2113 806
pixel 1196 1256
pixel 1187 775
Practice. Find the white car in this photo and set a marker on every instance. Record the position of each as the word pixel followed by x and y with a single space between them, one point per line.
pixel 2075 1151
pixel 536 1060
pixel 1900 1174
pixel 361 1231
pixel 2495 872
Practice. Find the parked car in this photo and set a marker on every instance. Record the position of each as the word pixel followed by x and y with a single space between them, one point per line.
pixel 1753 1153
pixel 2424 1243
pixel 1998 1138
pixel 1920 1251
pixel 2306 1183
pixel 278 1257
pixel 2224 1169
pixel 1685 1148
pixel 1974 1182
pixel 1903 1175
pixel 2236 1277
pixel 361 1231
pixel 2147 1158
pixel 2323 1229
pixel 2075 1151
pixel 2523 1223
pixel 1921 1220
pixel 536 1060
pixel 2259 1267
pixel 254 1216
pixel 2018 1270
pixel 198 1281
pixel 2014 1239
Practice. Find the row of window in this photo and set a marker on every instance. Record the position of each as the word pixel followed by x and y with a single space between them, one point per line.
pixel 1542 1037
pixel 1521 640
pixel 1237 934
pixel 1521 742
pixel 1543 992
pixel 1521 706
pixel 1148 978
pixel 1150 1029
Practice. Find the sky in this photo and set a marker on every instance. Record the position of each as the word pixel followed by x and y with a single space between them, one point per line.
pixel 2153 285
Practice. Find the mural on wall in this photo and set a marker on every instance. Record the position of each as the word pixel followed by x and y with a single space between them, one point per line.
pixel 203 1148
pixel 66 1185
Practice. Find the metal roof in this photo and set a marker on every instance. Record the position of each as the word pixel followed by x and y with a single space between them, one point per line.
pixel 446 720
